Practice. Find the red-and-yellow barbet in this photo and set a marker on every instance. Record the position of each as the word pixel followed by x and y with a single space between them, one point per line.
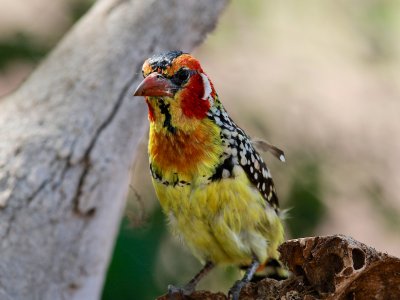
pixel 212 184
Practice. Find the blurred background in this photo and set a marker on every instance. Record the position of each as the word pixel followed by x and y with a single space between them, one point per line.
pixel 319 79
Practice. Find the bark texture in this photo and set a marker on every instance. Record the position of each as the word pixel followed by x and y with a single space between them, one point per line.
pixel 326 267
pixel 68 137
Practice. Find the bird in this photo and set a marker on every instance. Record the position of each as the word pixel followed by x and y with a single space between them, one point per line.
pixel 210 179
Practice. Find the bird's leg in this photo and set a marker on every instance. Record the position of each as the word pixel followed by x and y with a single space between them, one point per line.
pixel 189 288
pixel 234 291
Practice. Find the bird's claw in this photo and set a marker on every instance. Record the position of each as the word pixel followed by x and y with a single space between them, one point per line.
pixel 181 291
pixel 234 291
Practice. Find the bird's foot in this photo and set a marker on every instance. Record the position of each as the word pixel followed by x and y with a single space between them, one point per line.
pixel 189 288
pixel 234 291
pixel 174 291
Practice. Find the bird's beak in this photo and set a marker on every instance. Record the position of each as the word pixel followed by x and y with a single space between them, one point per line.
pixel 156 85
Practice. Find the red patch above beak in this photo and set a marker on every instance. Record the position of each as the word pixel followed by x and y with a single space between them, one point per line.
pixel 156 85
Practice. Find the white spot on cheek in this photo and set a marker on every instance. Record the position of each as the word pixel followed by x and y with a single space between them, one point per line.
pixel 207 87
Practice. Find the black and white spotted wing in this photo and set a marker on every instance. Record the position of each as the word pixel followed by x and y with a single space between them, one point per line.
pixel 240 151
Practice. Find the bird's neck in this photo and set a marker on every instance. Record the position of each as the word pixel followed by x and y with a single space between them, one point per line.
pixel 181 113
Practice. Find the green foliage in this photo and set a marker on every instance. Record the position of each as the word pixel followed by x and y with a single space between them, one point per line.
pixel 20 47
pixel 378 22
pixel 388 213
pixel 305 199
pixel 251 8
pixel 78 8
pixel 131 272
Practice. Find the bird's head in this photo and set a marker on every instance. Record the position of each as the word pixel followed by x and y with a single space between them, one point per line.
pixel 178 93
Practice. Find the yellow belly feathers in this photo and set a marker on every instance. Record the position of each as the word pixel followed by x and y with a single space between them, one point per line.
pixel 225 221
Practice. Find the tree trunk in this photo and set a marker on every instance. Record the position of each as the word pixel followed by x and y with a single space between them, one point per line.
pixel 68 137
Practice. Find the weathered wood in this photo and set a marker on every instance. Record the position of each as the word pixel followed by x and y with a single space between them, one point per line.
pixel 68 137
pixel 339 267
pixel 327 267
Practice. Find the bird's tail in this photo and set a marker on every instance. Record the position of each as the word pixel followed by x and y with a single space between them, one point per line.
pixel 272 268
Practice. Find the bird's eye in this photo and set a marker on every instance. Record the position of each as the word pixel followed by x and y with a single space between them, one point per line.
pixel 181 76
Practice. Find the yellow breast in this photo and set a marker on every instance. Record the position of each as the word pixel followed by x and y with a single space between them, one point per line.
pixel 226 221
